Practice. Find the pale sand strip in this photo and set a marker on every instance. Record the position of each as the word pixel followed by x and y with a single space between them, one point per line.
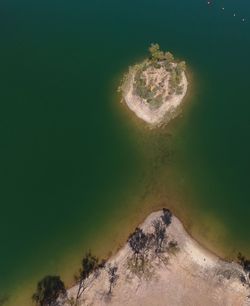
pixel 192 277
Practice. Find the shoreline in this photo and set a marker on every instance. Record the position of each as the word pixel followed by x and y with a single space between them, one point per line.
pixel 191 266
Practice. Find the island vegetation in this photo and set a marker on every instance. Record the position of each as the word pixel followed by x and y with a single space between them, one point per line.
pixel 158 74
pixel 156 86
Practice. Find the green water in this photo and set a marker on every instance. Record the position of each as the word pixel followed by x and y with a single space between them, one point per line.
pixel 73 165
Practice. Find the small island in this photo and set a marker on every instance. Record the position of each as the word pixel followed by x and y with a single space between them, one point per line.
pixel 155 88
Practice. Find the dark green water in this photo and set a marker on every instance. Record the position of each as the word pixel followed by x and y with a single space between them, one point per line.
pixel 70 162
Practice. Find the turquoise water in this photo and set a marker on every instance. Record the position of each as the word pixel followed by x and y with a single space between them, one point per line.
pixel 71 161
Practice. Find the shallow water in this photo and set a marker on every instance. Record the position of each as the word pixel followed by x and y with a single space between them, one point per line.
pixel 75 164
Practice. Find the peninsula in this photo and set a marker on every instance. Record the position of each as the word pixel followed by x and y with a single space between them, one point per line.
pixel 162 265
pixel 155 88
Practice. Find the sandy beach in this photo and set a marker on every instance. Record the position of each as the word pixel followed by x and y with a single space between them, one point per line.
pixel 187 274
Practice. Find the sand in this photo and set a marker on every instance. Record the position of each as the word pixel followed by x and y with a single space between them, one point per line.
pixel 186 275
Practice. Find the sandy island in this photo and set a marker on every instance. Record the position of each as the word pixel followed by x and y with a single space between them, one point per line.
pixel 155 88
pixel 186 275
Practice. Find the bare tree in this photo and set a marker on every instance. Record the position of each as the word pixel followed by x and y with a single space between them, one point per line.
pixel 138 242
pixel 159 234
pixel 113 277
pixel 244 262
pixel 89 265
pixel 166 217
